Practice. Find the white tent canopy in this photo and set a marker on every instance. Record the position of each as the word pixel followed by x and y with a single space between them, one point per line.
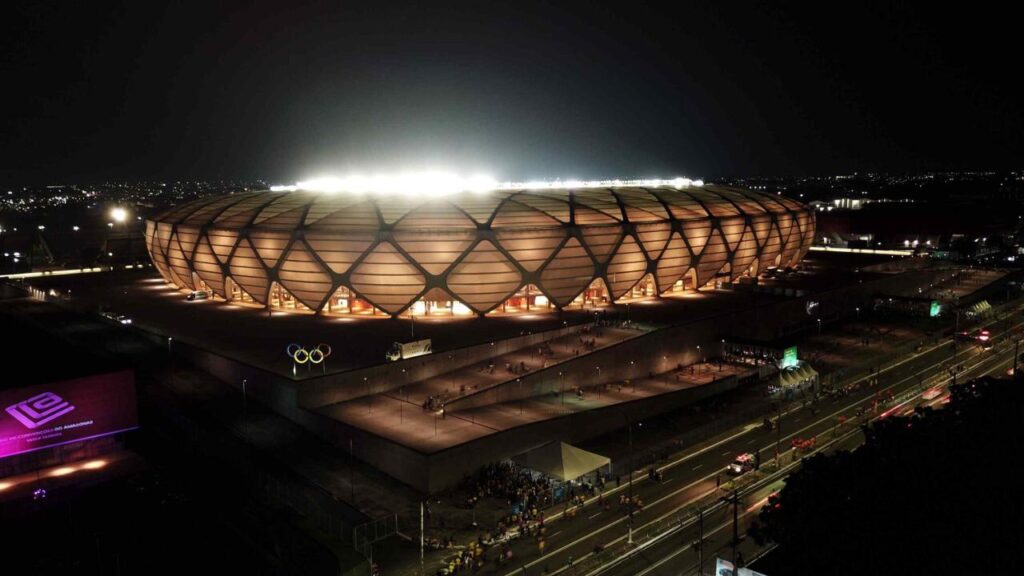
pixel 562 461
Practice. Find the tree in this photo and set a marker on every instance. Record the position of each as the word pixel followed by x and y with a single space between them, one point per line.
pixel 925 494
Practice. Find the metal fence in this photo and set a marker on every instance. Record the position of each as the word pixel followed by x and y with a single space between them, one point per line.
pixel 365 535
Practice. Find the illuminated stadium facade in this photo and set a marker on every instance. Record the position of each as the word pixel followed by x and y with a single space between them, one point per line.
pixel 502 250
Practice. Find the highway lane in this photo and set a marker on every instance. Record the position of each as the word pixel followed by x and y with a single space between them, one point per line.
pixel 678 553
pixel 692 475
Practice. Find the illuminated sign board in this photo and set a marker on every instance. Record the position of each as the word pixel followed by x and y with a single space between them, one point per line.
pixel 46 415
pixel 935 309
pixel 789 357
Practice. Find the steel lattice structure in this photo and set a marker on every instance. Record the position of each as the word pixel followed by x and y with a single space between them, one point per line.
pixel 479 248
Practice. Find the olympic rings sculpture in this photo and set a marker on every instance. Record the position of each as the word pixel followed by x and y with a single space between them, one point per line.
pixel 300 355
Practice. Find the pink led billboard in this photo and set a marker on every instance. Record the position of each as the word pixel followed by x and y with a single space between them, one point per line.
pixel 37 417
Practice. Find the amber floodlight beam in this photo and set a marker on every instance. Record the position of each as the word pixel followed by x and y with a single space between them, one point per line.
pixel 426 246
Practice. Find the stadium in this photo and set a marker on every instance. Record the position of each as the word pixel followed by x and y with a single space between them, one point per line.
pixel 506 250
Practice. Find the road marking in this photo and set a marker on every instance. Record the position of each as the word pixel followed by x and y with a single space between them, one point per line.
pixel 595 516
pixel 555 534
pixel 751 441
pixel 698 466
pixel 725 440
pixel 982 362
pixel 726 453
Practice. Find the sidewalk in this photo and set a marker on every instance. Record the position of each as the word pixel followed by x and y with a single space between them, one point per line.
pixel 508 367
pixel 459 520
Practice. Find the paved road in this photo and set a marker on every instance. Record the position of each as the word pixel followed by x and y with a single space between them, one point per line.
pixel 692 476
pixel 678 553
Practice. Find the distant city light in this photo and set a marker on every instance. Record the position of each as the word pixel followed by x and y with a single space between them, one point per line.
pixel 119 214
pixel 437 183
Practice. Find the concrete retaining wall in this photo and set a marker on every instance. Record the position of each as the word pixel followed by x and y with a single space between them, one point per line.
pixel 333 388
pixel 433 473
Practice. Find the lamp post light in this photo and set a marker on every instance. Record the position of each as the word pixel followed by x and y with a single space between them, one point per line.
pixel 119 215
pixel 819 326
pixel 629 425
pixel 401 407
pixel 245 411
pixel 170 358
pixel 565 329
pixel 598 380
pixel 561 383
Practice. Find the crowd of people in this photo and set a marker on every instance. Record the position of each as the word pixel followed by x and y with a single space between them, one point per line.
pixel 433 404
pixel 506 481
pixel 526 495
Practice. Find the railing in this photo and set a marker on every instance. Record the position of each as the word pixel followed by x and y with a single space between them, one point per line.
pixel 365 535
pixel 684 518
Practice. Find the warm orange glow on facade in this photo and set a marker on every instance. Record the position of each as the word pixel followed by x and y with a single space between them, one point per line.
pixel 507 251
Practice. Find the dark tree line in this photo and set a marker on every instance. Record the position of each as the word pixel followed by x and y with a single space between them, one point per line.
pixel 935 493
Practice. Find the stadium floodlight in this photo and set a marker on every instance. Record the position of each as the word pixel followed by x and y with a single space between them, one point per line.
pixel 441 183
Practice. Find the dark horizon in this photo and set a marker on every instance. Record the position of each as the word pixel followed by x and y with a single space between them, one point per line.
pixel 133 92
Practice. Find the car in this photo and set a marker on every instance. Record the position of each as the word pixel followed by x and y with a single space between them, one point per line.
pixel 119 318
pixel 743 463
pixel 804 444
pixel 197 295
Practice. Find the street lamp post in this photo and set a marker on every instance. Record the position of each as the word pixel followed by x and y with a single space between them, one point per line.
pixel 700 541
pixel 956 336
pixel 631 507
pixel 561 384
pixel 245 411
pixel 1016 343
pixel 170 358
pixel 778 433
pixel 819 326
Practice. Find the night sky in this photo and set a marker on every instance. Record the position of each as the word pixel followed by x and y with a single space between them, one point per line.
pixel 285 91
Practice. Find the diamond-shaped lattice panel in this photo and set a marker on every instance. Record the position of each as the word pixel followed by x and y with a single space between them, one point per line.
pixel 673 263
pixel 387 279
pixel 484 278
pixel 626 268
pixel 568 273
pixel 304 277
pixel 208 268
pixel 388 249
pixel 248 272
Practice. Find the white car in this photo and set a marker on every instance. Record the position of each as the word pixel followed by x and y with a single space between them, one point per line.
pixel 121 318
pixel 743 463
pixel 197 295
